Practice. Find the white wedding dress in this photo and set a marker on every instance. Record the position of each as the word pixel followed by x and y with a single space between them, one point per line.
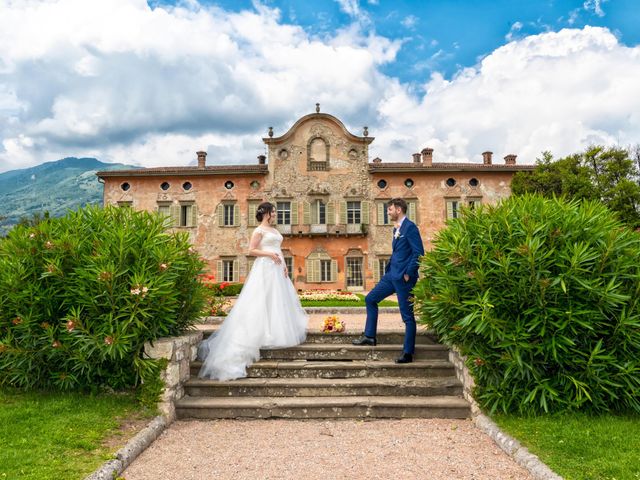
pixel 267 314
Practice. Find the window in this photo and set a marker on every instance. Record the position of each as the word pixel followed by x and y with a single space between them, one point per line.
pixel 354 212
pixel 187 186
pixel 125 204
pixel 288 261
pixel 228 184
pixel 473 202
pixel 321 268
pixel 165 186
pixel 381 267
pixel 188 215
pixel 164 209
pixel 408 183
pixel 450 182
pixel 354 272
pixel 474 182
pixel 229 215
pixel 453 208
pixel 125 186
pixel 228 270
pixel 283 216
pixel 325 270
pixel 382 184
pixel 251 213
pixel 412 211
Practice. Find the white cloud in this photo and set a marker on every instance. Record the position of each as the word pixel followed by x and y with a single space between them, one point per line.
pixel 557 91
pixel 513 31
pixel 128 83
pixel 410 22
pixel 594 6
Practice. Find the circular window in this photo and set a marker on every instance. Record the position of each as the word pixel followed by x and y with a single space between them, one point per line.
pixel 255 184
pixel 228 184
pixel 382 184
pixel 283 154
pixel 450 182
pixel 408 183
pixel 187 185
pixel 125 186
pixel 474 182
pixel 165 186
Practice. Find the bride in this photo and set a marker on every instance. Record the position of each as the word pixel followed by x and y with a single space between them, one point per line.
pixel 267 313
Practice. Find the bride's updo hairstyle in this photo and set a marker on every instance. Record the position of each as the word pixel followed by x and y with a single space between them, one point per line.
pixel 265 208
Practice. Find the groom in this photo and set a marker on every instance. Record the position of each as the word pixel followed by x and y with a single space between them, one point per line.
pixel 400 276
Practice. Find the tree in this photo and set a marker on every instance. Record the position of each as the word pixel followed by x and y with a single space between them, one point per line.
pixel 610 175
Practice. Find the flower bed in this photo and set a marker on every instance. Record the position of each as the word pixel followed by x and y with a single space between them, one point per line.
pixel 324 295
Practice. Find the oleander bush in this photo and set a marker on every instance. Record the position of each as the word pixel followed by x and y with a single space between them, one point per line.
pixel 81 294
pixel 543 298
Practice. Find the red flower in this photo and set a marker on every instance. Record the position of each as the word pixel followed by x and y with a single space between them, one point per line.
pixel 224 285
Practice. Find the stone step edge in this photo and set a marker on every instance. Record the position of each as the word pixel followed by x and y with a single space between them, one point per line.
pixel 319 402
pixel 350 365
pixel 324 382
pixel 388 347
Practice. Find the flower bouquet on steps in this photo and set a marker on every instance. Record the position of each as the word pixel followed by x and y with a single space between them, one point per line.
pixel 333 324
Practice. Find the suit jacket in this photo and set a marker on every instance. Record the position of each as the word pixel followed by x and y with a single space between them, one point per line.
pixel 407 250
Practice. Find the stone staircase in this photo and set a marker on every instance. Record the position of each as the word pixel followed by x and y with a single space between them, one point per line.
pixel 327 377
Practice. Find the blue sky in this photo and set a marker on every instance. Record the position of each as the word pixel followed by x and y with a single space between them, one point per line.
pixel 151 82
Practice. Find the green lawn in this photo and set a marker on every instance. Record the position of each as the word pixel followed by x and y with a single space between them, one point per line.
pixel 351 303
pixel 579 446
pixel 62 435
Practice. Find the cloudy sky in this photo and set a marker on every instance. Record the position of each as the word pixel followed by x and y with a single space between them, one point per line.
pixel 150 82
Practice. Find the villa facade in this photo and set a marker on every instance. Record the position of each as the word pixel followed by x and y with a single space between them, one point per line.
pixel 330 201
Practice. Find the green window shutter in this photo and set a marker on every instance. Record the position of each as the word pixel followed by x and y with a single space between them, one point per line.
pixel 193 221
pixel 411 213
pixel 334 270
pixel 364 215
pixel 331 213
pixel 220 211
pixel 236 271
pixel 316 271
pixel 314 213
pixel 311 275
pixel 343 213
pixel 380 213
pixel 220 276
pixel 376 270
pixel 236 215
pixel 175 215
pixel 306 213
pixel 294 213
pixel 251 215
pixel 449 209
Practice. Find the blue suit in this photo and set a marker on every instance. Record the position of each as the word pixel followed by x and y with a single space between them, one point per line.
pixel 407 249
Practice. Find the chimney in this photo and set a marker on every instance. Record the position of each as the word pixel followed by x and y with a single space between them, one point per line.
pixel 202 159
pixel 416 158
pixel 262 159
pixel 427 156
pixel 377 160
pixel 510 159
pixel 486 157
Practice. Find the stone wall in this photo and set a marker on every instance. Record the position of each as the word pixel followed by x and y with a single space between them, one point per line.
pixel 179 351
pixel 464 375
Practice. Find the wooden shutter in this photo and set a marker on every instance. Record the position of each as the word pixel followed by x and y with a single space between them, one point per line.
pixel 193 221
pixel 236 271
pixel 220 211
pixel 314 213
pixel 364 213
pixel 334 270
pixel 306 213
pixel 449 209
pixel 220 269
pixel 343 213
pixel 294 213
pixel 411 212
pixel 331 213
pixel 251 214
pixel 236 215
pixel 311 274
pixel 376 270
pixel 175 214
pixel 380 213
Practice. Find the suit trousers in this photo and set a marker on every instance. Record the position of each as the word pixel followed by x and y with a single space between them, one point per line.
pixel 385 287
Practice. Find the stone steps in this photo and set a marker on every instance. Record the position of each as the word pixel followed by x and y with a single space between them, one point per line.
pixel 323 407
pixel 328 351
pixel 323 387
pixel 327 377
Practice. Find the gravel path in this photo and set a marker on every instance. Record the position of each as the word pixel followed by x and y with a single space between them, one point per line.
pixel 321 449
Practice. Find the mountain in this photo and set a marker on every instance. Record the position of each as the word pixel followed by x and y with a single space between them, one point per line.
pixel 53 187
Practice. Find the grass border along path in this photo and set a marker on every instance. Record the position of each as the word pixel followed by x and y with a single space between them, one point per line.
pixel 579 446
pixel 345 303
pixel 50 435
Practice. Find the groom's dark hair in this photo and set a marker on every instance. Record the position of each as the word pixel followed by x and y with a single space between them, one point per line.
pixel 263 209
pixel 398 202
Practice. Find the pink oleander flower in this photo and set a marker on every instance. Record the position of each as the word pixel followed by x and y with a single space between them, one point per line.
pixel 56 344
pixel 163 267
pixel 71 325
pixel 48 245
pixel 108 340
pixel 32 235
pixel 17 321
pixel 135 291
